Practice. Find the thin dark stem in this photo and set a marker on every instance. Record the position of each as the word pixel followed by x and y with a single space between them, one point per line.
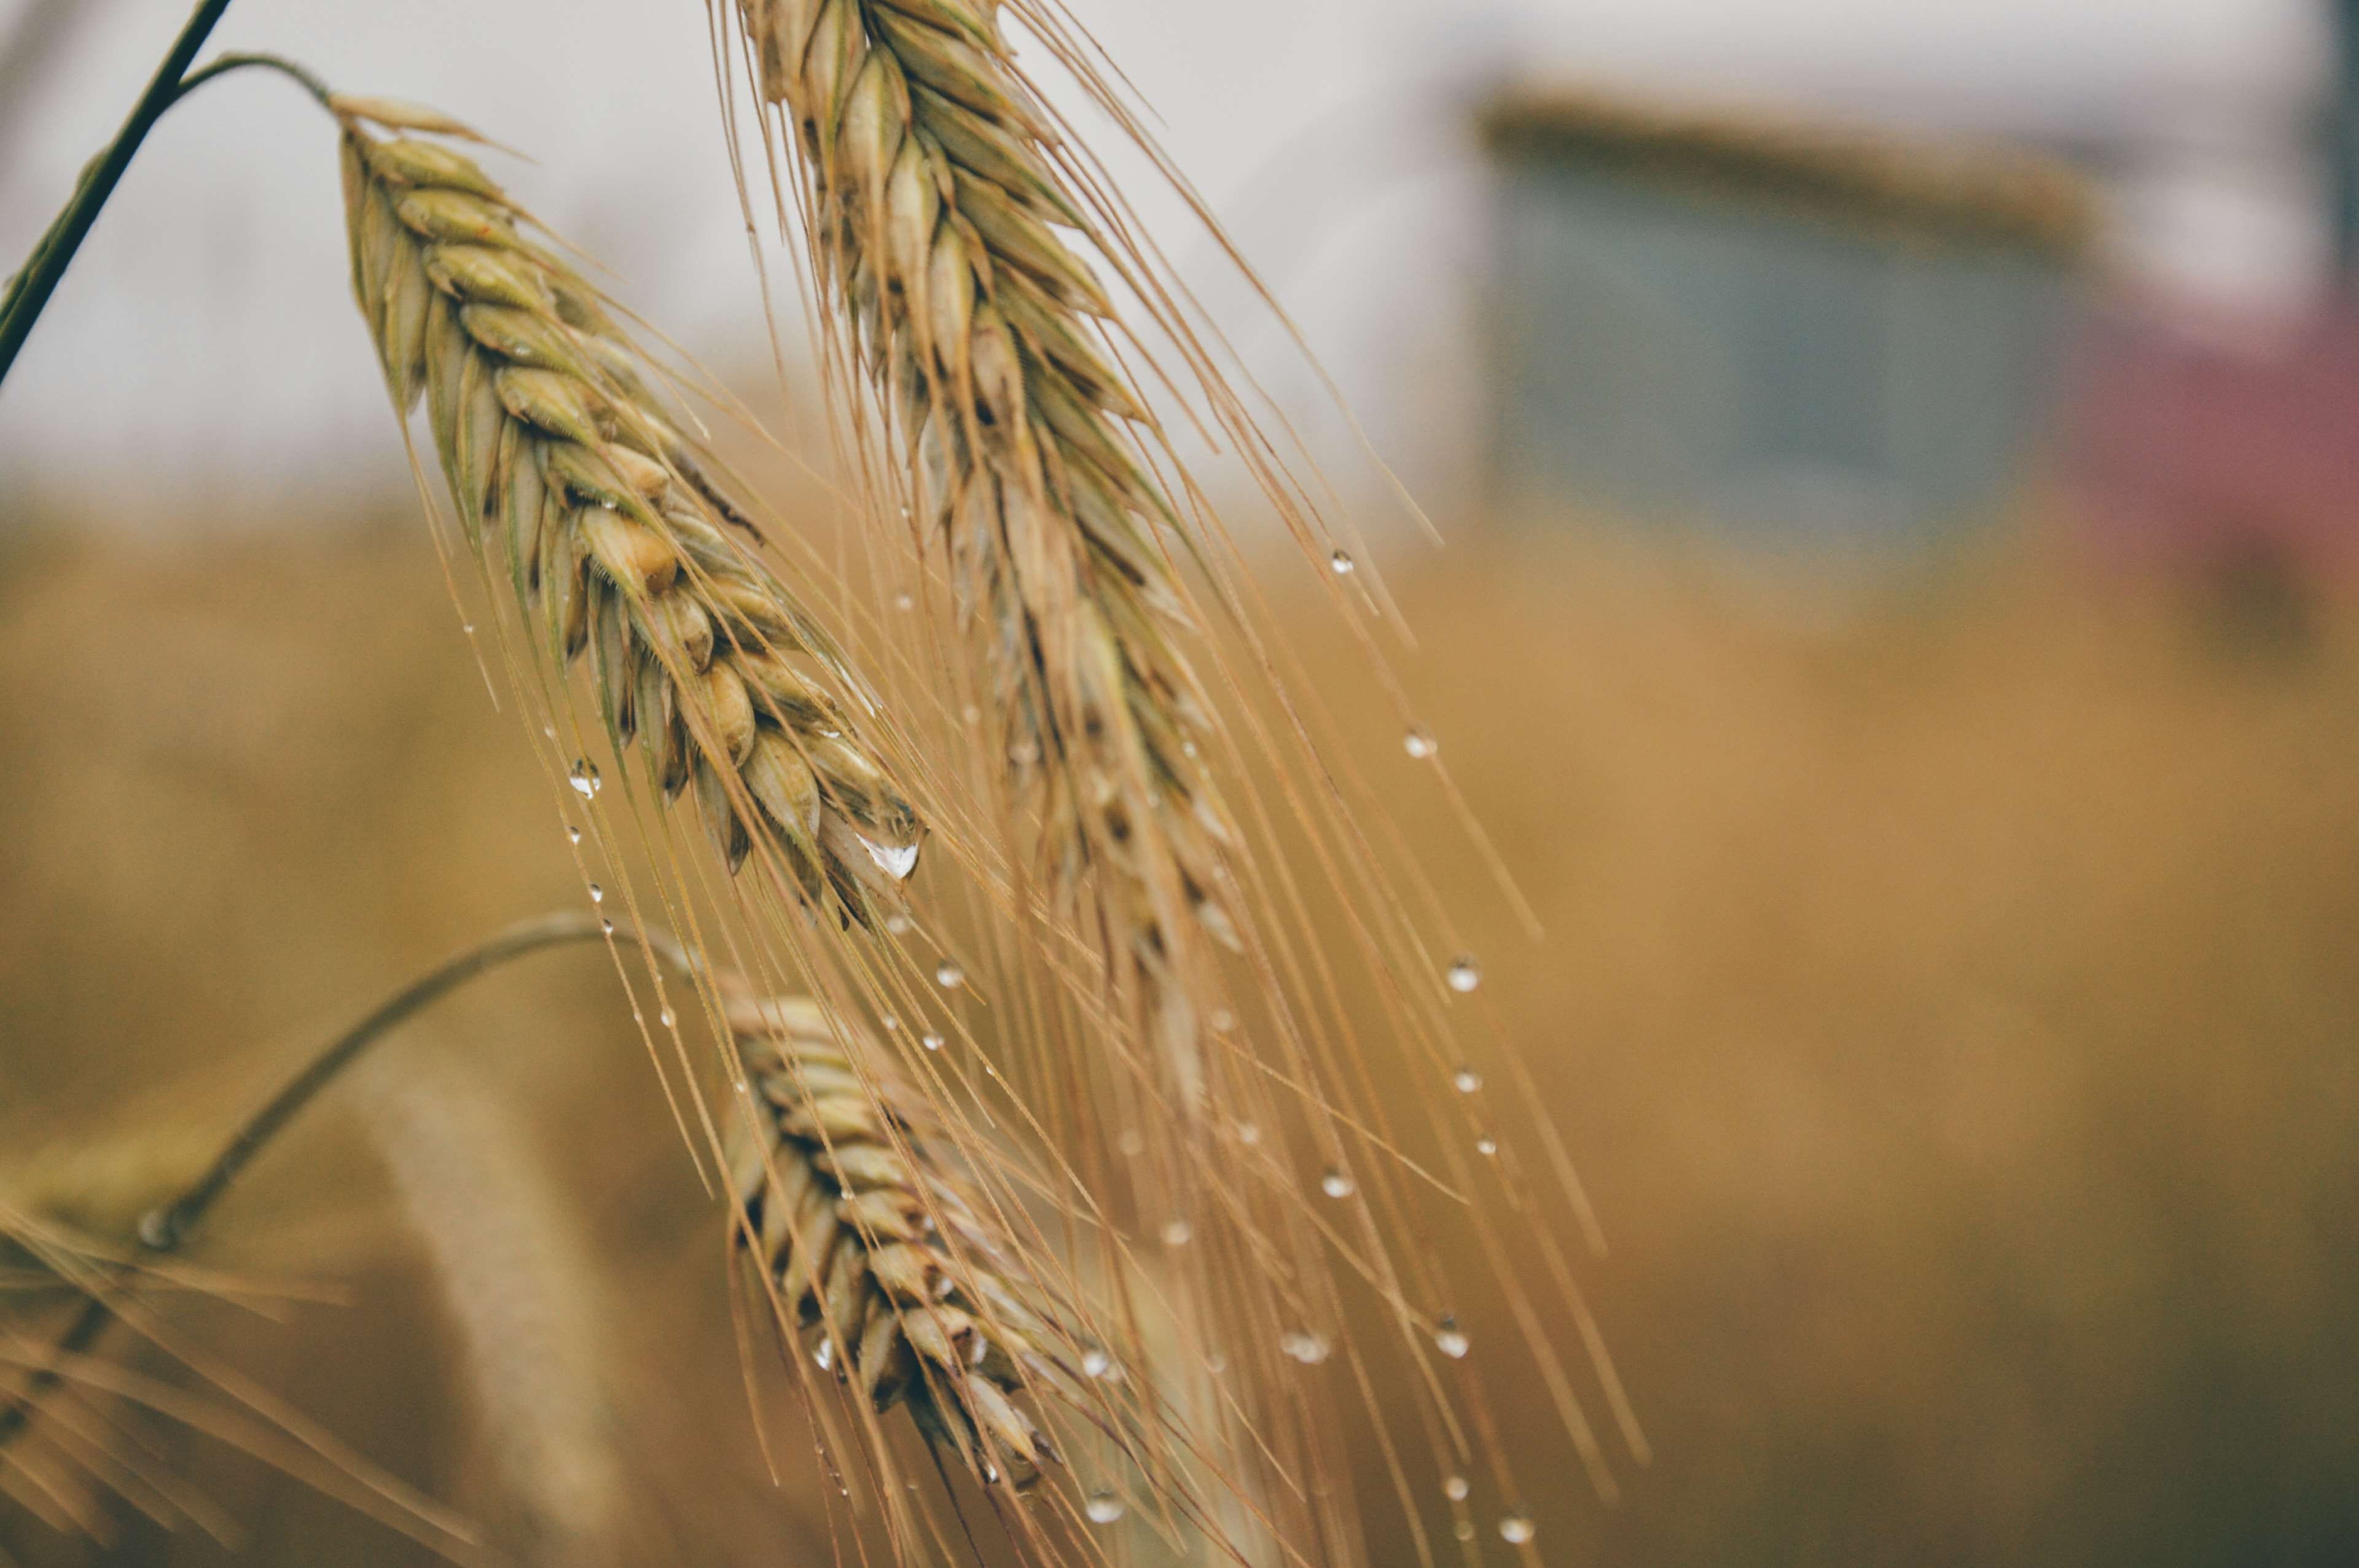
pixel 225 64
pixel 30 289
pixel 164 1228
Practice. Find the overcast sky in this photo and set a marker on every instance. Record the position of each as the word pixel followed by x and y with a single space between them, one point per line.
pixel 205 342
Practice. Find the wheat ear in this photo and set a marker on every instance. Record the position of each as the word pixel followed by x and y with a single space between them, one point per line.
pixel 555 447
pixel 935 202
pixel 881 1263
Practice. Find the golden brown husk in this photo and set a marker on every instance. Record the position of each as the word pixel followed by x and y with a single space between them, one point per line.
pixel 560 459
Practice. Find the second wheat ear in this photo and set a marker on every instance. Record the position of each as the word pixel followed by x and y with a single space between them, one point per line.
pixel 569 476
pixel 935 202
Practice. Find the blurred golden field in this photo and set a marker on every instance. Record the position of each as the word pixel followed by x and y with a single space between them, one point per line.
pixel 1951 995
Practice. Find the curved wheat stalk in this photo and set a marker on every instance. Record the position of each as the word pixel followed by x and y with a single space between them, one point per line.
pixel 935 206
pixel 561 458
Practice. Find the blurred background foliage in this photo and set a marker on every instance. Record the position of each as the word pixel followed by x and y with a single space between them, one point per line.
pixel 1950 1001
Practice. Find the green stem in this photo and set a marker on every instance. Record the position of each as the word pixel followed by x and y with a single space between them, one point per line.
pixel 30 289
pixel 223 64
pixel 165 1226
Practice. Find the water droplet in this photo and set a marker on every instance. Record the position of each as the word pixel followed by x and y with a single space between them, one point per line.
pixel 971 714
pixel 572 833
pixel 1450 1339
pixel 550 731
pixel 583 777
pixel 1463 1529
pixel 1096 1363
pixel 897 859
pixel 1336 1183
pixel 1023 753
pixel 825 1355
pixel 1131 1144
pixel 468 627
pixel 905 600
pixel 1177 1233
pixel 1103 1508
pixel 1455 1489
pixel 1517 1529
pixel 597 894
pixel 1487 1145
pixel 1465 974
pixel 892 1024
pixel 1466 1080
pixel 1216 1363
pixel 1343 564
pixel 1248 1133
pixel 991 1472
pixel 949 975
pixel 899 924
pixel 930 1041
pixel 1420 744
pixel 668 1018
pixel 607 926
pixel 1308 1348
pixel 1222 1021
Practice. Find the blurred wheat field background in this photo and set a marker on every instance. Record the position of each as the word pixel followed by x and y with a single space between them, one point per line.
pixel 1948 995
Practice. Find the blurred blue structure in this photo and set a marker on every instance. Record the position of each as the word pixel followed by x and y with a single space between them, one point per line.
pixel 1798 339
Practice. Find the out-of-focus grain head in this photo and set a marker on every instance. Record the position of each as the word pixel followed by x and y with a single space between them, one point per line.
pixel 524 1297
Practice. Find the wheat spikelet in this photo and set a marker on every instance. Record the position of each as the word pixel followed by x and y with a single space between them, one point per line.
pixel 559 455
pixel 935 205
pixel 880 1262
